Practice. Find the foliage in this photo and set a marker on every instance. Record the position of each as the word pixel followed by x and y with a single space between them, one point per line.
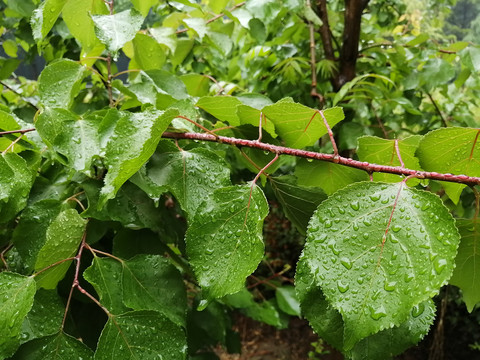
pixel 130 226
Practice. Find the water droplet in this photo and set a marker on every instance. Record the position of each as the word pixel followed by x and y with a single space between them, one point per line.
pixel 328 223
pixel 378 313
pixel 343 288
pixel 346 262
pixel 396 228
pixel 390 286
pixel 355 205
pixel 374 197
pixel 418 310
pixel 439 265
pixel 408 277
pixel 209 251
pixel 314 228
pixel 367 222
pixel 365 236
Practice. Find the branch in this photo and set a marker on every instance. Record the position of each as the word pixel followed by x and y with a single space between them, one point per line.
pixel 16 131
pixel 18 94
pixel 313 63
pixel 362 165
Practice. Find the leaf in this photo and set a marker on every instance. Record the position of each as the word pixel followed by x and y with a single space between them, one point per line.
pixel 143 6
pixel 141 335
pixel 148 53
pixel 133 141
pixel 16 179
pixel 467 262
pixel 391 248
pixel 60 82
pixel 293 122
pixel 168 84
pixel 221 107
pixel 63 237
pixel 165 36
pixel 16 299
pixel 198 25
pixel 436 72
pixel 420 39
pixel 72 136
pixel 116 30
pixel 44 18
pixel 451 150
pixel 382 151
pixel 298 202
pixel 250 115
pixel 224 239
pixel 105 274
pixel 197 85
pixel 218 6
pixel 45 317
pixel 189 175
pixel 287 300
pixel 329 176
pixel 151 282
pixel 54 347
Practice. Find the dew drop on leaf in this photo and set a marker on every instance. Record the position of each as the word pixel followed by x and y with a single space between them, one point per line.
pixel 343 288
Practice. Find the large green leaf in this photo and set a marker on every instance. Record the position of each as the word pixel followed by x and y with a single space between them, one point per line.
pixel 16 179
pixel 60 82
pixel 141 335
pixel 44 17
pixel 376 250
pixel 451 150
pixel 62 240
pixel 382 151
pixel 54 347
pixel 189 175
pixel 221 107
pixel 151 282
pixel 116 30
pixel 224 239
pixel 467 262
pixel 326 175
pixel 72 136
pixel 293 122
pixel 133 141
pixel 143 6
pixel 148 54
pixel 16 299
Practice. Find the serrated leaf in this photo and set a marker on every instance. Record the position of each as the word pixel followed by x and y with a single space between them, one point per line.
pixel 60 82
pixel 116 30
pixel 382 151
pixel 16 179
pixel 44 17
pixel 189 175
pixel 224 240
pixel 63 237
pixel 151 282
pixel 105 274
pixel 377 250
pixel 143 6
pixel 326 175
pixel 287 300
pixel 54 347
pixel 467 262
pixel 294 123
pixel 16 299
pixel 298 202
pixel 451 150
pixel 221 107
pixel 141 335
pixel 45 317
pixel 133 141
pixel 72 136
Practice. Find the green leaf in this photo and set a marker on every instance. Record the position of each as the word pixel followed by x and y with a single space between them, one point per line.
pixel 198 25
pixel 141 335
pixel 382 151
pixel 165 36
pixel 218 6
pixel 221 107
pixel 133 141
pixel 329 176
pixel 143 6
pixel 151 282
pixel 54 347
pixel 451 150
pixel 72 136
pixel 436 72
pixel 420 39
pixel 377 250
pixel 63 237
pixel 298 202
pixel 467 262
pixel 116 30
pixel 16 299
pixel 105 274
pixel 148 53
pixel 250 115
pixel 224 240
pixel 45 317
pixel 183 48
pixel 471 58
pixel 197 85
pixel 60 82
pixel 294 123
pixel 287 300
pixel 44 17
pixel 189 175
pixel 16 179
pixel 167 84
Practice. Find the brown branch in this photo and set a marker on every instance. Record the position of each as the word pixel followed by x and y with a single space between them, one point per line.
pixel 437 109
pixel 16 131
pixel 362 165
pixel 313 63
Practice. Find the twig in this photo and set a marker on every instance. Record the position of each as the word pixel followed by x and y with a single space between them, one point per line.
pixel 438 109
pixel 20 131
pixel 18 94
pixel 313 62
pixel 397 150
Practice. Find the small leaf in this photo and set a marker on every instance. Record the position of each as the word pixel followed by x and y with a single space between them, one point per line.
pixel 224 240
pixel 287 300
pixel 197 85
pixel 468 262
pixel 44 18
pixel 198 25
pixel 148 53
pixel 116 30
pixel 60 82
pixel 166 83
pixel 418 40
pixel 16 299
pixel 451 150
pixel 376 250
pixel 63 237
pixel 221 107
pixel 143 6
pixel 141 335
